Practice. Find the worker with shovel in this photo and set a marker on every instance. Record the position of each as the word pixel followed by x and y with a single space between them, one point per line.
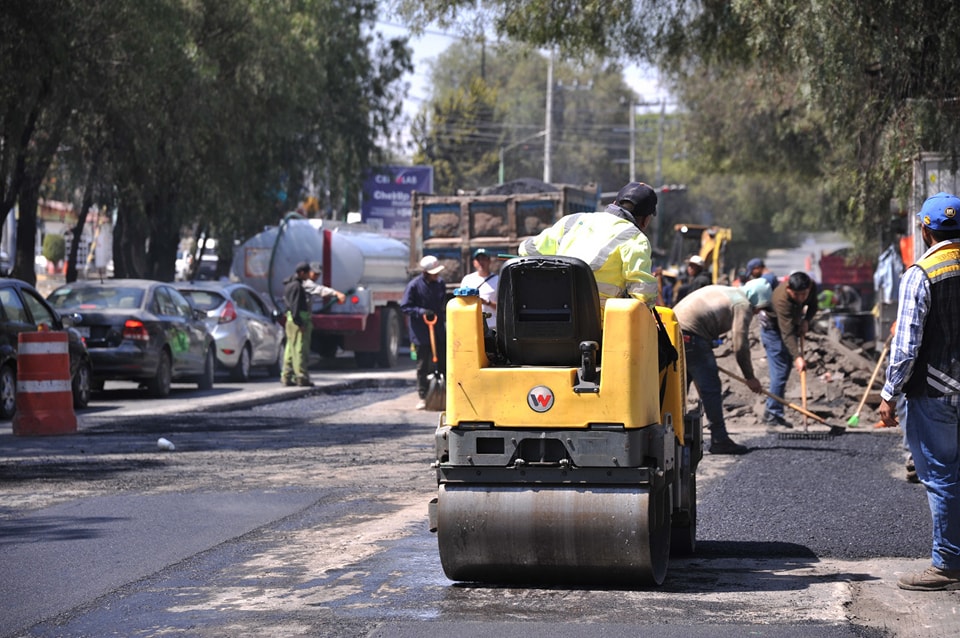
pixel 705 315
pixel 925 367
pixel 781 330
pixel 423 302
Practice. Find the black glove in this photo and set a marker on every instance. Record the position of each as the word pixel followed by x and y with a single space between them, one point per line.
pixel 430 315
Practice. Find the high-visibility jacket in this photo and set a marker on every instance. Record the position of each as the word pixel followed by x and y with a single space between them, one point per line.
pixel 936 372
pixel 616 250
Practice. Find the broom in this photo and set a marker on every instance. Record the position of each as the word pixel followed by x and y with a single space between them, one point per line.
pixel 854 421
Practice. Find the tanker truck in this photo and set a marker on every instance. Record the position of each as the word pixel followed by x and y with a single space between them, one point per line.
pixel 370 268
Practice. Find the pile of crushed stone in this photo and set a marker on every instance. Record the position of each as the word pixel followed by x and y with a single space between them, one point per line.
pixel 837 376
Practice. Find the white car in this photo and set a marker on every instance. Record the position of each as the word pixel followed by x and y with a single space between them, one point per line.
pixel 247 332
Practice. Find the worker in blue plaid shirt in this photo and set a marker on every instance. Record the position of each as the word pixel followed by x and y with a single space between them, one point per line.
pixel 925 368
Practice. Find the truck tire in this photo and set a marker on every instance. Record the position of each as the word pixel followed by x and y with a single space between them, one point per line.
pixel 390 327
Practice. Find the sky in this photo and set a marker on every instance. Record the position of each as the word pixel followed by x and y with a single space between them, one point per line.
pixel 432 42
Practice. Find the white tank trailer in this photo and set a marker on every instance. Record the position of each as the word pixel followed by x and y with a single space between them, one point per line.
pixel 370 268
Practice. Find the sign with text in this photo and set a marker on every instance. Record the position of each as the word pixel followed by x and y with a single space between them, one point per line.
pixel 386 196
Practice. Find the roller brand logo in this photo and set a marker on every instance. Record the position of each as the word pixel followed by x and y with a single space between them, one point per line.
pixel 540 398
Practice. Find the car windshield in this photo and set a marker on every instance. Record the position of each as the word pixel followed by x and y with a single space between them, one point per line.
pixel 203 299
pixel 99 298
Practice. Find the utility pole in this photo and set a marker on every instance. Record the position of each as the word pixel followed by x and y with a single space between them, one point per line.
pixel 548 125
pixel 657 232
pixel 633 141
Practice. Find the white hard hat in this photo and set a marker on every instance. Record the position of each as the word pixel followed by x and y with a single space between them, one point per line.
pixel 431 265
pixel 696 260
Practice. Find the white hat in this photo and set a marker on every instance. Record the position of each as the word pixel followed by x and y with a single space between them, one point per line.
pixel 431 265
pixel 696 260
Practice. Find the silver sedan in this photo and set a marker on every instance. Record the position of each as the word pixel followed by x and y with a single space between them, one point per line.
pixel 246 329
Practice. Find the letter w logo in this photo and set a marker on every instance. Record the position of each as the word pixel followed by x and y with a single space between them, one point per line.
pixel 540 398
pixel 543 400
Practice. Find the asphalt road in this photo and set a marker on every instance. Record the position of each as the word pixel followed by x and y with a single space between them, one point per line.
pixel 307 517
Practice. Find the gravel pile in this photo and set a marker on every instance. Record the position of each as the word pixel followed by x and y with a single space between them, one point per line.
pixel 837 377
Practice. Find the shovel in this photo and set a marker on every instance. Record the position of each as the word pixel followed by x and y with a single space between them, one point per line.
pixel 436 398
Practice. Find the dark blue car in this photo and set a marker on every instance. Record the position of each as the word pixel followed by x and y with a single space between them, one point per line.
pixel 139 330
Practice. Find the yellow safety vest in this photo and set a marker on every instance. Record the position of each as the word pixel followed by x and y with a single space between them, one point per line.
pixel 616 250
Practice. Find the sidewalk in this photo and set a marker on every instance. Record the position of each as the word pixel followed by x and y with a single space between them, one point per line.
pixel 233 396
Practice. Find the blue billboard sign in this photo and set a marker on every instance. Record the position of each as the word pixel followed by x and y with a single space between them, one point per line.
pixel 386 196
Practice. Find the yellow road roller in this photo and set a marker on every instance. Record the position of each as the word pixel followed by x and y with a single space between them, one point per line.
pixel 565 454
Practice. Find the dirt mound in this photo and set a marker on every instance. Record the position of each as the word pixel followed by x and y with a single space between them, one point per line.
pixel 837 377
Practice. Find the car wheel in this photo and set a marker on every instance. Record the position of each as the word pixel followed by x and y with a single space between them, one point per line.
pixel 241 372
pixel 276 368
pixel 8 391
pixel 82 386
pixel 159 385
pixel 205 382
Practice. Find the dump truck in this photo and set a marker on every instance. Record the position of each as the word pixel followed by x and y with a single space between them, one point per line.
pixel 565 454
pixel 369 267
pixel 452 227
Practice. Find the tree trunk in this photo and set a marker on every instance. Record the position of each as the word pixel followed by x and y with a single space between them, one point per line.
pixel 25 265
pixel 85 203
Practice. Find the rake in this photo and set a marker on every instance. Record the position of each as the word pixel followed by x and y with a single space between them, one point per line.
pixel 832 432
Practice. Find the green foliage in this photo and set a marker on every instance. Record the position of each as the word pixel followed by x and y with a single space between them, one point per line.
pixel 195 111
pixel 458 142
pixel 490 101
pixel 54 248
pixel 839 94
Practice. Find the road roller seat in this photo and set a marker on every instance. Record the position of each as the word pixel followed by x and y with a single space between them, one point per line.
pixel 546 307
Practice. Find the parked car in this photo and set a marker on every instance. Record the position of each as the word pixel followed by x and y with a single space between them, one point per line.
pixel 140 330
pixel 23 309
pixel 248 333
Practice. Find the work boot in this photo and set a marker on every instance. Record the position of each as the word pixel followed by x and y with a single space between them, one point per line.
pixel 775 419
pixel 727 446
pixel 287 381
pixel 911 471
pixel 931 579
pixel 305 383
pixel 421 405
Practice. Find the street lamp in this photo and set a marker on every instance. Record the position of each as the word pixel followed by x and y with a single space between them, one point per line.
pixel 503 149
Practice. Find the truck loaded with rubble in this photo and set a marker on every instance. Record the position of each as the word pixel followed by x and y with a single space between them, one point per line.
pixel 497 219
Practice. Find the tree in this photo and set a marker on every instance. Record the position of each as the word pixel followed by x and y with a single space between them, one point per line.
pixel 857 86
pixel 487 98
pixel 179 111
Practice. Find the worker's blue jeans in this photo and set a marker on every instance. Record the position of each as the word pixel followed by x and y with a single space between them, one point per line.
pixel 932 429
pixel 702 370
pixel 779 363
